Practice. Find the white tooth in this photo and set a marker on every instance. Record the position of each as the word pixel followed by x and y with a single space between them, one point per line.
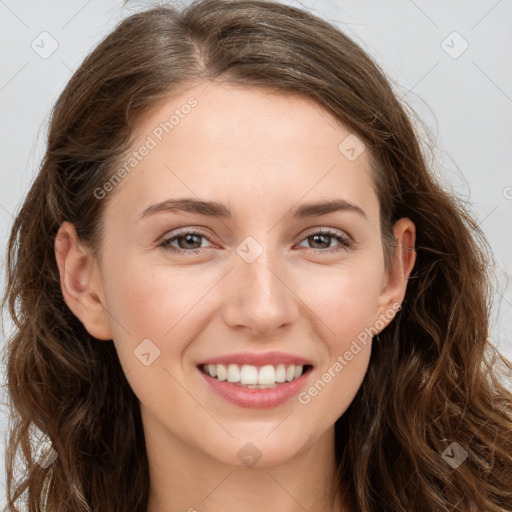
pixel 290 372
pixel 212 370
pixel 221 372
pixel 233 373
pixel 267 375
pixel 298 371
pixel 205 368
pixel 280 373
pixel 249 374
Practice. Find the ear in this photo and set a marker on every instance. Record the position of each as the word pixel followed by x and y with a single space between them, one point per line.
pixel 395 281
pixel 80 282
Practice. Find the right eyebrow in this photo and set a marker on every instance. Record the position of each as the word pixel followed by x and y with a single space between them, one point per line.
pixel 189 205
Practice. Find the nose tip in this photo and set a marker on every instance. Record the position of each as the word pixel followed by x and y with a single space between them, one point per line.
pixel 260 301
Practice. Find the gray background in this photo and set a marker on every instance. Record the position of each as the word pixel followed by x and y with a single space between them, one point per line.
pixel 463 97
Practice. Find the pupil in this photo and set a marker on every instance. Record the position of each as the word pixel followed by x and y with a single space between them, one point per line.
pixel 316 237
pixel 189 239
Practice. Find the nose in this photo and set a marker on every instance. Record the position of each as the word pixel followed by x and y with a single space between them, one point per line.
pixel 259 296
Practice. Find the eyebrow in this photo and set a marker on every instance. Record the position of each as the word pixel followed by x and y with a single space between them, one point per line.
pixel 221 210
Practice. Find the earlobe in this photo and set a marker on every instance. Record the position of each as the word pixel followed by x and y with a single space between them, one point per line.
pixel 80 282
pixel 404 258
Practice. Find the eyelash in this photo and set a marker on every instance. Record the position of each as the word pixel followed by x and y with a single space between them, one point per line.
pixel 345 243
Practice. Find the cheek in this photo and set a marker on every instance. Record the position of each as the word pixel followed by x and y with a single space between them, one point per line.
pixel 158 303
pixel 154 312
pixel 153 300
pixel 346 305
pixel 149 297
pixel 344 298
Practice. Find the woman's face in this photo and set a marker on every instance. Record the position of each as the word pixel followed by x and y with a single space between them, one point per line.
pixel 177 288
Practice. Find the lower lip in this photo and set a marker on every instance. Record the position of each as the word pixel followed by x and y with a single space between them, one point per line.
pixel 254 398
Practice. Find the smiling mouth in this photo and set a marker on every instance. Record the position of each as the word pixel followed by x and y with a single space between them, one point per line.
pixel 259 377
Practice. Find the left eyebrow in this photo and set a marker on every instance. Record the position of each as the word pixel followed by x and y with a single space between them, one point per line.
pixel 325 207
pixel 221 210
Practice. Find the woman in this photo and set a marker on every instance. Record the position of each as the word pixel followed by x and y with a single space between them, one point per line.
pixel 237 285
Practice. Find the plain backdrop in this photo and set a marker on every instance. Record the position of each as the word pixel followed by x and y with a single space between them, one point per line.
pixel 450 61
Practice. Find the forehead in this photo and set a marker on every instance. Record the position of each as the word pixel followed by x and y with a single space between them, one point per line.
pixel 227 140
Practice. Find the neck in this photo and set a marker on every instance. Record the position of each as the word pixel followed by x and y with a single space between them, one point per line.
pixel 185 479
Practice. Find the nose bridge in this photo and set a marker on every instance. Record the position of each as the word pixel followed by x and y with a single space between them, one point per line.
pixel 261 300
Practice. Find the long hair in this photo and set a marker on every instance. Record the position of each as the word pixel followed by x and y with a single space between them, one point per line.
pixel 432 388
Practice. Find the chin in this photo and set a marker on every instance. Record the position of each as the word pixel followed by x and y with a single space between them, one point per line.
pixel 258 451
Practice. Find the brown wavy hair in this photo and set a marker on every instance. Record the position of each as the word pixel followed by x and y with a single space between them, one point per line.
pixel 433 378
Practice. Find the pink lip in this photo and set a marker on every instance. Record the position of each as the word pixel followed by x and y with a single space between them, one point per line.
pixel 254 398
pixel 258 359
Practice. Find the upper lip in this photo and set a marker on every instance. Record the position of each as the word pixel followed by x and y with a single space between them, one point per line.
pixel 258 359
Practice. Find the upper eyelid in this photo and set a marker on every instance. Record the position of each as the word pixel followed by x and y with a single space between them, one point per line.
pixel 182 232
pixel 311 231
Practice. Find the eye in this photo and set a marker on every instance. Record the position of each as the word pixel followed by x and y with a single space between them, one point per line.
pixel 190 241
pixel 324 237
pixel 185 240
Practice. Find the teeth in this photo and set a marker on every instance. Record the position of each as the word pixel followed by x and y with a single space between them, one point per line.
pixel 233 373
pixel 266 375
pixel 221 371
pixel 254 376
pixel 249 375
pixel 281 373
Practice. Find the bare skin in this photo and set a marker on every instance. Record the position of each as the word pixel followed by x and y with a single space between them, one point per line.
pixel 263 155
